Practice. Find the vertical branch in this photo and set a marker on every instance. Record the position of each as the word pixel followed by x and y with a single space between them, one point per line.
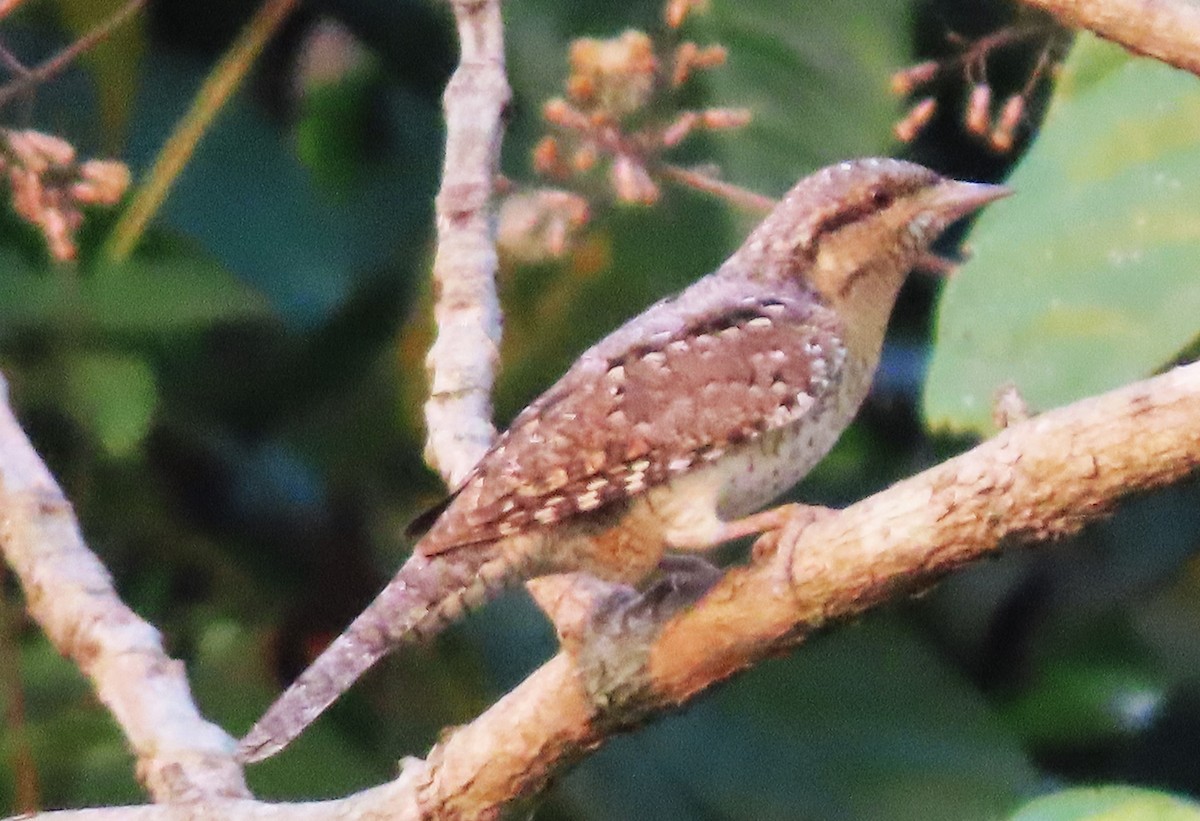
pixel 180 756
pixel 462 361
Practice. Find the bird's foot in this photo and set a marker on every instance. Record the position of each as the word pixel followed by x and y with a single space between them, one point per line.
pixel 786 522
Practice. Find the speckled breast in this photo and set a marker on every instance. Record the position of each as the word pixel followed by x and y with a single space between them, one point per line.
pixel 759 471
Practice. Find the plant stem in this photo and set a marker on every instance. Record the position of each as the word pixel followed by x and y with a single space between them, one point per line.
pixel 220 84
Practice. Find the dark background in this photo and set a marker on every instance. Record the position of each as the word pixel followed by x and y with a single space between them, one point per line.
pixel 240 430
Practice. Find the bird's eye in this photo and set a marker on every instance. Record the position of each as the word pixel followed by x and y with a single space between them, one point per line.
pixel 881 199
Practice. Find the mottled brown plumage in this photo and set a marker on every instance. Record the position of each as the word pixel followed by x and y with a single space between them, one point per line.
pixel 628 417
pixel 662 435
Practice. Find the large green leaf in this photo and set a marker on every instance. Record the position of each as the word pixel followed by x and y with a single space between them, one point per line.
pixel 1087 278
pixel 1112 803
pixel 173 292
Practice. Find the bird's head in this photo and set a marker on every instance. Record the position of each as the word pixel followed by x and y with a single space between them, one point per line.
pixel 853 231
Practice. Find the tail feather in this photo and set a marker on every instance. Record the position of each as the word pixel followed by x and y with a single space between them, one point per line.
pixel 426 595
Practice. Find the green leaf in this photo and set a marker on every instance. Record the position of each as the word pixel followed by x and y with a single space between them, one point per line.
pixel 1111 803
pixel 177 292
pixel 334 127
pixel 113 396
pixel 1082 700
pixel 1086 279
pixel 152 294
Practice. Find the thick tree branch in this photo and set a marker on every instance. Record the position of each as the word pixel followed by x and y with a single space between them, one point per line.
pixel 462 360
pixel 1030 485
pixel 180 756
pixel 1168 30
pixel 1034 482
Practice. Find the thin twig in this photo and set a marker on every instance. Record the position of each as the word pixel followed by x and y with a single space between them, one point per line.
pixel 41 73
pixel 743 198
pixel 220 84
pixel 1040 68
pixel 975 55
pixel 11 62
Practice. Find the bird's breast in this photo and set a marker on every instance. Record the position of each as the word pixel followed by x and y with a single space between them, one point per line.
pixel 759 471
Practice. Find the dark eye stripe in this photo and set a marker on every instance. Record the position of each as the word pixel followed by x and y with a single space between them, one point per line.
pixel 876 199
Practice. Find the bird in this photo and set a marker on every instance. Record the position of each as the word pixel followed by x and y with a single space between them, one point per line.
pixel 668 434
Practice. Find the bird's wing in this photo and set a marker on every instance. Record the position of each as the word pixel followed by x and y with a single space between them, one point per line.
pixel 627 417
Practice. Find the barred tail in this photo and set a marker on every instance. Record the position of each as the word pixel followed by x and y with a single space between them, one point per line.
pixel 426 595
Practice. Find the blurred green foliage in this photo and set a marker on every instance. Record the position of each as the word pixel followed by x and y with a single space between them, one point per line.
pixel 235 414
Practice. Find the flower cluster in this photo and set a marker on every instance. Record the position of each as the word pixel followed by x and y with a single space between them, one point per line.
pixel 50 187
pixel 617 108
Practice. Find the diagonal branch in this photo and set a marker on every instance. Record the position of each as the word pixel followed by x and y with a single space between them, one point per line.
pixel 1036 481
pixel 219 86
pixel 1167 30
pixel 180 756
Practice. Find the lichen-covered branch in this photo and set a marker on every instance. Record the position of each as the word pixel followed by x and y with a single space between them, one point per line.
pixel 462 360
pixel 180 756
pixel 1168 30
